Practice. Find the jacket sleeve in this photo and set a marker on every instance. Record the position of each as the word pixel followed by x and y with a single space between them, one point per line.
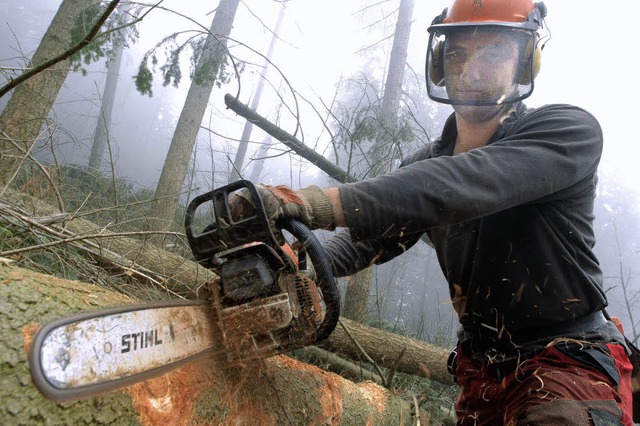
pixel 543 152
pixel 348 257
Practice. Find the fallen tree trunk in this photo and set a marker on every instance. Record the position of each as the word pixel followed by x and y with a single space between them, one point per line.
pixel 390 350
pixel 289 140
pixel 180 276
pixel 331 362
pixel 275 391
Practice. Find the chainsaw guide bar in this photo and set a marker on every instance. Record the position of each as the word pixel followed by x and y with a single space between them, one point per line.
pixel 90 353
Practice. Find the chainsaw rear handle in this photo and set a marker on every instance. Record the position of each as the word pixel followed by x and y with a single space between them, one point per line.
pixel 226 234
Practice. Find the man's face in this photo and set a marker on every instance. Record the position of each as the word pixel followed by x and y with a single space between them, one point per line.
pixel 480 65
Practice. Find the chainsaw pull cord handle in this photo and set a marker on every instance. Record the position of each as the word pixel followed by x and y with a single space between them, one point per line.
pixel 325 279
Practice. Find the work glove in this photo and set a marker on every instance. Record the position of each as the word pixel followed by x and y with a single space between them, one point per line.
pixel 309 205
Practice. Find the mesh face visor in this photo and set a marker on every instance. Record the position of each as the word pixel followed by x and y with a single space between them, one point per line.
pixel 483 64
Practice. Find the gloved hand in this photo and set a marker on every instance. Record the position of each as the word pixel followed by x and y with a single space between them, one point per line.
pixel 309 205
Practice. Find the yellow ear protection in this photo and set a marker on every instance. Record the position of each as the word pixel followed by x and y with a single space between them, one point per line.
pixel 524 74
pixel 436 64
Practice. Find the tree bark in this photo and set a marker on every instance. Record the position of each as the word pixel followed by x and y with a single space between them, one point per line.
pixel 397 62
pixel 22 119
pixel 103 126
pixel 355 306
pixel 176 164
pixel 331 362
pixel 288 139
pixel 180 276
pixel 258 163
pixel 357 298
pixel 390 350
pixel 382 152
pixel 274 391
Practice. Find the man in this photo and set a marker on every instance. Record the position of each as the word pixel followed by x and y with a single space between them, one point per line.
pixel 506 197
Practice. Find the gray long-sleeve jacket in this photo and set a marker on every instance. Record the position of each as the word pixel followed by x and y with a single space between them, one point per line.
pixel 511 222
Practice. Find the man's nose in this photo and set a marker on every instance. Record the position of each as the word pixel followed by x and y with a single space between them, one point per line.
pixel 474 67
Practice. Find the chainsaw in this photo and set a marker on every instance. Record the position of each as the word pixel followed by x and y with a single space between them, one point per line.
pixel 268 299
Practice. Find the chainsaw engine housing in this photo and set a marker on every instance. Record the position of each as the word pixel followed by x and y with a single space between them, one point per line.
pixel 266 305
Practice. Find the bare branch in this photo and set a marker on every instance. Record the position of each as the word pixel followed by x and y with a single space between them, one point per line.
pixel 64 55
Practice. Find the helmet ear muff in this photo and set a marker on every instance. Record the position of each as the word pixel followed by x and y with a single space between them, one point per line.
pixel 436 64
pixel 525 75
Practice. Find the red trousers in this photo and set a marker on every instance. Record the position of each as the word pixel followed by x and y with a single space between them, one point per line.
pixel 557 386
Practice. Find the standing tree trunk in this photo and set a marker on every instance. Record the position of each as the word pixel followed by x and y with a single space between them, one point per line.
pixel 176 164
pixel 101 135
pixel 357 296
pixel 103 125
pixel 274 391
pixel 248 126
pixel 397 63
pixel 258 164
pixel 387 139
pixel 22 119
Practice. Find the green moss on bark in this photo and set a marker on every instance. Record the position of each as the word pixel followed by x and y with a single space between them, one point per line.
pixel 25 300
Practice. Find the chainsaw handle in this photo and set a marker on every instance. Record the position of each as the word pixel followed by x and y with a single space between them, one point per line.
pixel 225 232
pixel 325 279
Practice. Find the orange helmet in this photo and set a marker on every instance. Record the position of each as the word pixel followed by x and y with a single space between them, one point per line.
pixel 521 16
pixel 496 12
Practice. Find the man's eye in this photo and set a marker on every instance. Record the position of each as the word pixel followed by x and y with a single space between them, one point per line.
pixel 495 53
